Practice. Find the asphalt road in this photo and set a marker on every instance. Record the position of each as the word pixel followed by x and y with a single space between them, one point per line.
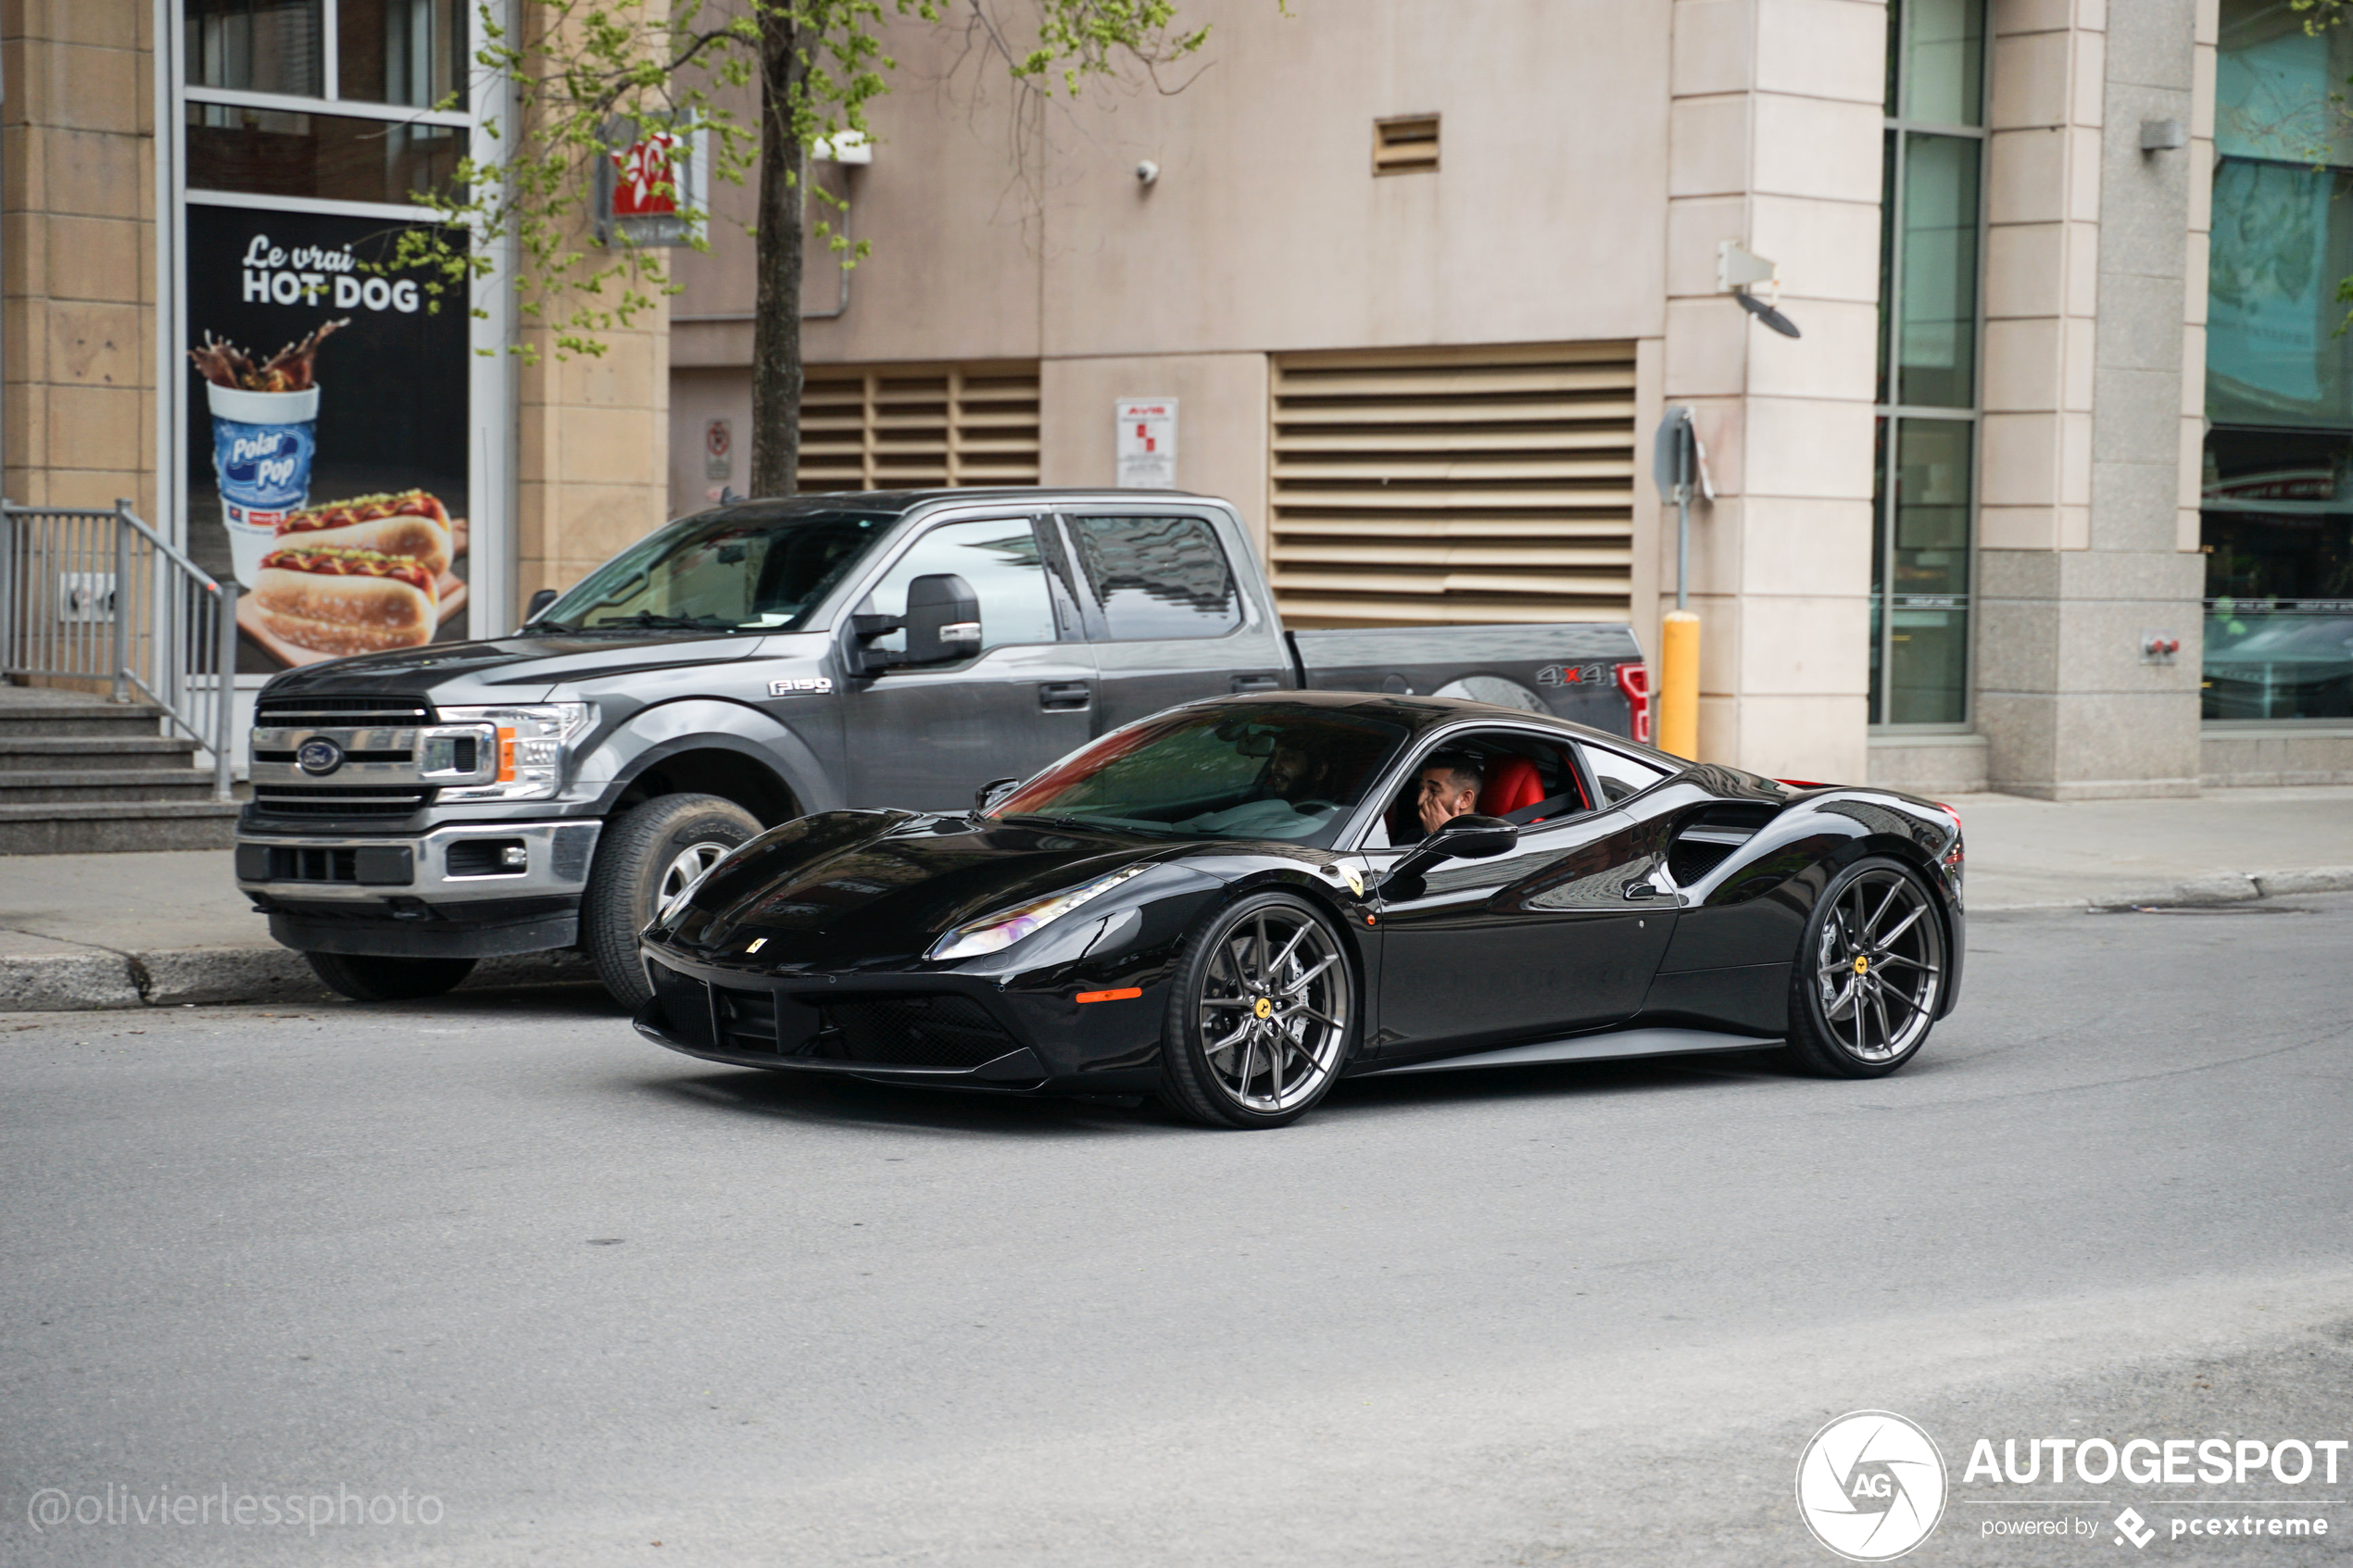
pixel 584 1297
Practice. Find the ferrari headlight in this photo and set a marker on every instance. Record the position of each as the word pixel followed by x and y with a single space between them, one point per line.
pixel 1002 930
pixel 532 741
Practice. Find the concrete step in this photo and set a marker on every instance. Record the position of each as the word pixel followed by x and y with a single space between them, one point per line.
pixel 97 786
pixel 48 719
pixel 57 828
pixel 23 754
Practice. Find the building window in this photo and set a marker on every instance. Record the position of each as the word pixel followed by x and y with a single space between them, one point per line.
pixel 255 72
pixel 1930 236
pixel 2277 518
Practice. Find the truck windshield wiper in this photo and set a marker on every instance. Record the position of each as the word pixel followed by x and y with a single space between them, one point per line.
pixel 647 620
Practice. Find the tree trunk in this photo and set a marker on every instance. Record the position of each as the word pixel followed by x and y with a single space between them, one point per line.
pixel 775 334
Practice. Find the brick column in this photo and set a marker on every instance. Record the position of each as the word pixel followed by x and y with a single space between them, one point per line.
pixel 77 253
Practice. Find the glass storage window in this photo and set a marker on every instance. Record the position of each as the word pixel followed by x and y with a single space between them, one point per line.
pixel 1930 239
pixel 285 153
pixel 2276 518
pixel 2278 536
pixel 258 46
pixel 400 51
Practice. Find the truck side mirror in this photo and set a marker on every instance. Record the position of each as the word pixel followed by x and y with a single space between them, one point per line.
pixel 943 619
pixel 540 601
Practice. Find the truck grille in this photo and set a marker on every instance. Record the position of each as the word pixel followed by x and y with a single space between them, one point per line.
pixel 345 712
pixel 298 801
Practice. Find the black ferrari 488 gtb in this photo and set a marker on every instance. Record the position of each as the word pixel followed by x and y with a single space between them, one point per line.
pixel 1237 903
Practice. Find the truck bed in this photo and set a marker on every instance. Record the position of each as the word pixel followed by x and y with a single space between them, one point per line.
pixel 1589 672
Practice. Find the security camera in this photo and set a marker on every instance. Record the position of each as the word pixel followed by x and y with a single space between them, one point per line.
pixel 1147 172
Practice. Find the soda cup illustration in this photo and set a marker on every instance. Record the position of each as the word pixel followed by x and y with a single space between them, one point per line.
pixel 264 420
pixel 262 444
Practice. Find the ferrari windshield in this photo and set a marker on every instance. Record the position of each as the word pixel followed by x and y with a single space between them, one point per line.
pixel 720 572
pixel 1267 771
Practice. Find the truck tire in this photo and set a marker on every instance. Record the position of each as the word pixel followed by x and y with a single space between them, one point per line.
pixel 367 978
pixel 645 857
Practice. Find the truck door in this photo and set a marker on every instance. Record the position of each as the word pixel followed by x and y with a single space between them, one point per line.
pixel 925 738
pixel 1168 620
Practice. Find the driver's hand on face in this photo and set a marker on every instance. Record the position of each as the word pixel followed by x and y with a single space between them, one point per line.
pixel 1441 799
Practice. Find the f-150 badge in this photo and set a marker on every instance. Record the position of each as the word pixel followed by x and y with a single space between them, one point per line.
pixel 820 685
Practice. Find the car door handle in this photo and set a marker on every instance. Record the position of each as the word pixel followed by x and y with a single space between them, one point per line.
pixel 1641 890
pixel 1255 683
pixel 1063 696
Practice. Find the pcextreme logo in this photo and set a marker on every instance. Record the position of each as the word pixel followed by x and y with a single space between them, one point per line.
pixel 1870 1485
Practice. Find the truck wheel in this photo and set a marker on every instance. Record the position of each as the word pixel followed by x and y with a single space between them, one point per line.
pixel 644 857
pixel 367 978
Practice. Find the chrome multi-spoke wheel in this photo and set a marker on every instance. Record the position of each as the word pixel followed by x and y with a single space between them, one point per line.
pixel 1259 1026
pixel 680 875
pixel 1872 973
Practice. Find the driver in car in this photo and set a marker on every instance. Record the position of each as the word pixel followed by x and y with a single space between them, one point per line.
pixel 1447 788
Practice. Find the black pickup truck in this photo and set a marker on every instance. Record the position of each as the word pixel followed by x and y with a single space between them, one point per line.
pixel 415 811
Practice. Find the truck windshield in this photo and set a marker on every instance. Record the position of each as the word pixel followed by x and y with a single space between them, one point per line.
pixel 1263 770
pixel 720 572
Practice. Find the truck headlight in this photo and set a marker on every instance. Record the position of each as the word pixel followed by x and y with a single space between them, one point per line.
pixel 1002 930
pixel 533 740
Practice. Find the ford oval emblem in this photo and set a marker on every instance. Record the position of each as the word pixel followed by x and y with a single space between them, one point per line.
pixel 318 755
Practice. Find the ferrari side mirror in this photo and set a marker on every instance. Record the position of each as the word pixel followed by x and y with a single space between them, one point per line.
pixel 1472 837
pixel 1467 837
pixel 992 792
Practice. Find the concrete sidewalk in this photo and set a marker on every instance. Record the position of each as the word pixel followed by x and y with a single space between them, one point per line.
pixel 163 929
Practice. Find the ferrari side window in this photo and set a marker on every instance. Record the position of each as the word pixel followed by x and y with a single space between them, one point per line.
pixel 1621 775
pixel 1522 778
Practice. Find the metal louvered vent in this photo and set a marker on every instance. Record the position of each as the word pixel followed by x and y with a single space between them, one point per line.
pixel 1450 486
pixel 918 427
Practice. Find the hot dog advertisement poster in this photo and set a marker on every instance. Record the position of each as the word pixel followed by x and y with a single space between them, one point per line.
pixel 327 435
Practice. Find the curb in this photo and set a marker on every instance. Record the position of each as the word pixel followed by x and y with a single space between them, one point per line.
pixel 194 976
pixel 2234 887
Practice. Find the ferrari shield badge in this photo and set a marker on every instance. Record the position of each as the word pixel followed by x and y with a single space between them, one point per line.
pixel 1355 880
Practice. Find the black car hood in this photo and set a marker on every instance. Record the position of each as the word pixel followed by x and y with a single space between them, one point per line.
pixel 877 889
pixel 507 666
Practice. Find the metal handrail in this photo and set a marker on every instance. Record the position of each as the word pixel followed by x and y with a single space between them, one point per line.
pixel 95 594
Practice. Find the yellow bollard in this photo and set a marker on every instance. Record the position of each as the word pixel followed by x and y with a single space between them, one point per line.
pixel 1679 684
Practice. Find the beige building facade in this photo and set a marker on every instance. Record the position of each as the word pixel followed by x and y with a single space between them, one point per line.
pixel 2053 493
pixel 1957 534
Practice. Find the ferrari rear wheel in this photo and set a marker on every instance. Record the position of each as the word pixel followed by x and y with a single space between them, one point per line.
pixel 1870 973
pixel 1259 1018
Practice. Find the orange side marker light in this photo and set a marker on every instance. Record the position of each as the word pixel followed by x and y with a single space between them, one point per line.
pixel 1125 994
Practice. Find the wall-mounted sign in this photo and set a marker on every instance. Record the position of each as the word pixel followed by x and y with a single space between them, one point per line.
pixel 1146 447
pixel 327 436
pixel 646 190
pixel 718 451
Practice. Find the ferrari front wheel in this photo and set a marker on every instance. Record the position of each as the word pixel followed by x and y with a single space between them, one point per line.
pixel 1869 973
pixel 1259 1019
